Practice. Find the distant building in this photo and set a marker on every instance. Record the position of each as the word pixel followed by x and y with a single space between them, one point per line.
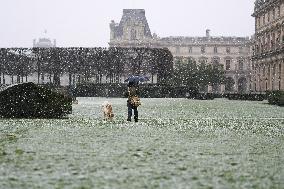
pixel 231 52
pixel 268 51
pixel 133 29
pixel 44 42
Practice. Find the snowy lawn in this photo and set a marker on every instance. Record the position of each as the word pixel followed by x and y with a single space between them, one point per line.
pixel 177 143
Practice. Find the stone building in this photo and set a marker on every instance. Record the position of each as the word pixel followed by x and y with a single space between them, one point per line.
pixel 231 52
pixel 268 51
pixel 44 43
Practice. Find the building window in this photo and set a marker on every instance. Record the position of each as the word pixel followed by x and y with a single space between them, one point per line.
pixel 263 71
pixel 278 11
pixel 202 60
pixel 273 14
pixel 215 50
pixel 117 78
pixel 98 78
pixel 273 69
pixel 272 41
pixel 203 49
pixel 215 61
pixel 191 59
pixel 177 50
pixel 133 34
pixel 228 64
pixel 241 49
pixel 228 50
pixel 263 19
pixel 190 50
pixel 241 64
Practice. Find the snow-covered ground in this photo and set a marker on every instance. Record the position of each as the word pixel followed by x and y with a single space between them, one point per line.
pixel 177 143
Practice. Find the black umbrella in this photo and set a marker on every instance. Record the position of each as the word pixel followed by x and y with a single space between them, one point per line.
pixel 136 79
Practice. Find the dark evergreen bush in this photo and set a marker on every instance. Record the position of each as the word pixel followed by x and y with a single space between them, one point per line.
pixel 27 100
pixel 276 97
pixel 249 96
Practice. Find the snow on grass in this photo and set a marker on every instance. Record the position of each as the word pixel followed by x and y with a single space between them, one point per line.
pixel 177 143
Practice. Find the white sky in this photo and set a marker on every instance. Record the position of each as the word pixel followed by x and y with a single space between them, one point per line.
pixel 86 22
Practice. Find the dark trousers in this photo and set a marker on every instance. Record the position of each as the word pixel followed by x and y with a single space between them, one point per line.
pixel 130 108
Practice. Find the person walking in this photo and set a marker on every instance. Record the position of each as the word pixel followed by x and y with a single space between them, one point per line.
pixel 133 100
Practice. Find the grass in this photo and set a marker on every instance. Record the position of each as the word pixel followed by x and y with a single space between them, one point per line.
pixel 177 143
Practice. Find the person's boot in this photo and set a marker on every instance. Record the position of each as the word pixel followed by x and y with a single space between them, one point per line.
pixel 128 119
pixel 136 119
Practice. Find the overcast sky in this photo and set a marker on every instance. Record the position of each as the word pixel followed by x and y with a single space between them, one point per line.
pixel 86 22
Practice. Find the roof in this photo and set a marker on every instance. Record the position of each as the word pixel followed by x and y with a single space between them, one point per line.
pixel 133 14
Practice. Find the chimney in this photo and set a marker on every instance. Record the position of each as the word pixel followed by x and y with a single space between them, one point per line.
pixel 54 42
pixel 208 33
pixel 34 42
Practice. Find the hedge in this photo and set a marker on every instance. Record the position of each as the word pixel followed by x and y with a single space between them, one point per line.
pixel 27 100
pixel 276 97
pixel 249 96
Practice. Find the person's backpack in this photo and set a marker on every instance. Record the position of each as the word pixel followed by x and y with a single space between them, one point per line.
pixel 135 101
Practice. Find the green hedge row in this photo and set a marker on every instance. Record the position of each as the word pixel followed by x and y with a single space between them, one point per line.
pixel 276 97
pixel 145 90
pixel 250 96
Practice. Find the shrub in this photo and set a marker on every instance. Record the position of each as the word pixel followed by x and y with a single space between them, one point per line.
pixel 27 100
pixel 276 97
pixel 249 96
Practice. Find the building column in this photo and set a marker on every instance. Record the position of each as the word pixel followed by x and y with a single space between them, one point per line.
pixel 222 88
pixel 104 79
pixel 271 77
pixel 209 88
pixel 261 78
pixel 266 77
pixel 248 78
pixel 282 74
pixel 236 84
pixel 254 76
pixel 258 79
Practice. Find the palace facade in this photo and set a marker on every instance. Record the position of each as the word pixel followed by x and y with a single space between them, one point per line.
pixel 233 53
pixel 268 51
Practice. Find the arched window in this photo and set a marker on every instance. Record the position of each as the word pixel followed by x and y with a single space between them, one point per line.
pixel 202 49
pixel 228 64
pixel 215 50
pixel 202 60
pixel 241 64
pixel 215 61
pixel 133 34
pixel 189 49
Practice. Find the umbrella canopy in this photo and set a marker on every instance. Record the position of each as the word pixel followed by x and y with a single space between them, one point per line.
pixel 136 79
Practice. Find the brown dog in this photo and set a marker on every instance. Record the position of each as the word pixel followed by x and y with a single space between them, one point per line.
pixel 107 111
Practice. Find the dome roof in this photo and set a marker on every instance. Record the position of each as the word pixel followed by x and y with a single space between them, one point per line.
pixel 44 42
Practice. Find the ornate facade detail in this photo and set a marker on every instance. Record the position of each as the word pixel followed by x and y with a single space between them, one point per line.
pixel 268 50
pixel 208 49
